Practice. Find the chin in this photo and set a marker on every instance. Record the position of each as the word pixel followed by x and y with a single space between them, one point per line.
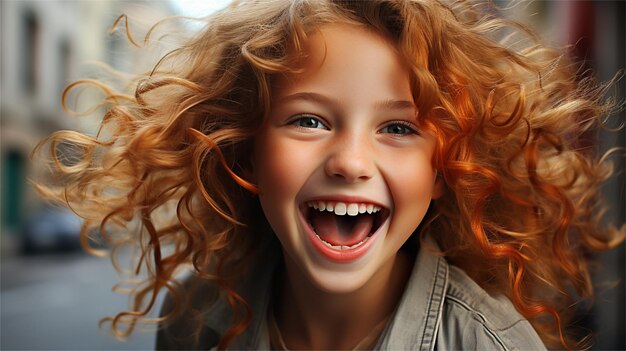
pixel 339 282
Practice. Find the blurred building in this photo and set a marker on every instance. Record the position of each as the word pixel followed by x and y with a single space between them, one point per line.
pixel 45 46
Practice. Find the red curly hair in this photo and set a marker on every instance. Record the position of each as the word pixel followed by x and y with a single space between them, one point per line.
pixel 522 206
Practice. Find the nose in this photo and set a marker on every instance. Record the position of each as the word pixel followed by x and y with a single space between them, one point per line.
pixel 350 160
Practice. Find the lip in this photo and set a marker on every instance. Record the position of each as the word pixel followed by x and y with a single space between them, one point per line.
pixel 339 256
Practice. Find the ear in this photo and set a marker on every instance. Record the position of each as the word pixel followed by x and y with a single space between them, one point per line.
pixel 440 186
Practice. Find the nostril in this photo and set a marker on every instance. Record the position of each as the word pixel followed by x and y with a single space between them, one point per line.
pixel 349 169
pixel 349 178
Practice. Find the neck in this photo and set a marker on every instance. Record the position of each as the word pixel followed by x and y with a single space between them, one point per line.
pixel 311 318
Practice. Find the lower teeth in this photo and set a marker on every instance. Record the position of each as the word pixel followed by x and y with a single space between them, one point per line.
pixel 342 247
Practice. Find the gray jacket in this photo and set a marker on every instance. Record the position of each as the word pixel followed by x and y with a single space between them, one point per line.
pixel 441 309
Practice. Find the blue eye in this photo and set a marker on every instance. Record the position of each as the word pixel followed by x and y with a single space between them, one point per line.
pixel 399 128
pixel 308 122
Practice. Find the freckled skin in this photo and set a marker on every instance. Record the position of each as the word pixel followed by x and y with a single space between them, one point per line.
pixel 356 92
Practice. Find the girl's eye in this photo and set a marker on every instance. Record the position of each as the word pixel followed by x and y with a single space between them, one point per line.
pixel 399 128
pixel 308 122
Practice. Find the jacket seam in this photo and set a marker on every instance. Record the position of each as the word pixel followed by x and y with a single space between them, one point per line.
pixel 450 295
pixel 436 295
pixel 442 296
pixel 482 320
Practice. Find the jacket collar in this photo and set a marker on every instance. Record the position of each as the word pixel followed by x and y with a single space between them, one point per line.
pixel 418 315
pixel 415 322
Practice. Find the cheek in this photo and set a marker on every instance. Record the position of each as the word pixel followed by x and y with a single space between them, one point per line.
pixel 280 166
pixel 281 169
pixel 416 182
pixel 411 185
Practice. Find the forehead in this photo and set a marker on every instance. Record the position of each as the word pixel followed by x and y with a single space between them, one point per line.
pixel 346 57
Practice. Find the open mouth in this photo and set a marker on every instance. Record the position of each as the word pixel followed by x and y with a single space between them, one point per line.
pixel 342 225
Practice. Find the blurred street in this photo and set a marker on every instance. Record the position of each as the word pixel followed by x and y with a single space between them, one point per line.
pixel 54 302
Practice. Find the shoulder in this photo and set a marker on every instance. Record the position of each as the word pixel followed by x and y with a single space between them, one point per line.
pixel 186 331
pixel 207 311
pixel 473 319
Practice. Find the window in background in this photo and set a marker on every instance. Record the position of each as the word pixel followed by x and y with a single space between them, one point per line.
pixel 30 52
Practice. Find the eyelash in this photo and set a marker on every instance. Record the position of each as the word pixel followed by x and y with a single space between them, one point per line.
pixel 303 117
pixel 409 126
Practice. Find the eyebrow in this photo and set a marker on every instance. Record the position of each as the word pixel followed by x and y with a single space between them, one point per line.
pixel 388 104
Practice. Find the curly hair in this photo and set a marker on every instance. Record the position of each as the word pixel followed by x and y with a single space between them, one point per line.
pixel 165 173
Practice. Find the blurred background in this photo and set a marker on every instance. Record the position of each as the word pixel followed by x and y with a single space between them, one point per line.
pixel 52 295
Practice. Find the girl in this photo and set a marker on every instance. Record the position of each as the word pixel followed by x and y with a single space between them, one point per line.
pixel 349 175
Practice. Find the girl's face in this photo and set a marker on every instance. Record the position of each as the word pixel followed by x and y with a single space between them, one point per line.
pixel 344 171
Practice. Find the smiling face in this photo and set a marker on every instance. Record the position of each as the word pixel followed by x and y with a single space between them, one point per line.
pixel 344 171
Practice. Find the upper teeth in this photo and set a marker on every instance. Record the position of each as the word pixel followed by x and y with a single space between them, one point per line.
pixel 343 208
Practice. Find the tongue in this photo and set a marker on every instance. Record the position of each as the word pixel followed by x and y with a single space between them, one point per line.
pixel 341 230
